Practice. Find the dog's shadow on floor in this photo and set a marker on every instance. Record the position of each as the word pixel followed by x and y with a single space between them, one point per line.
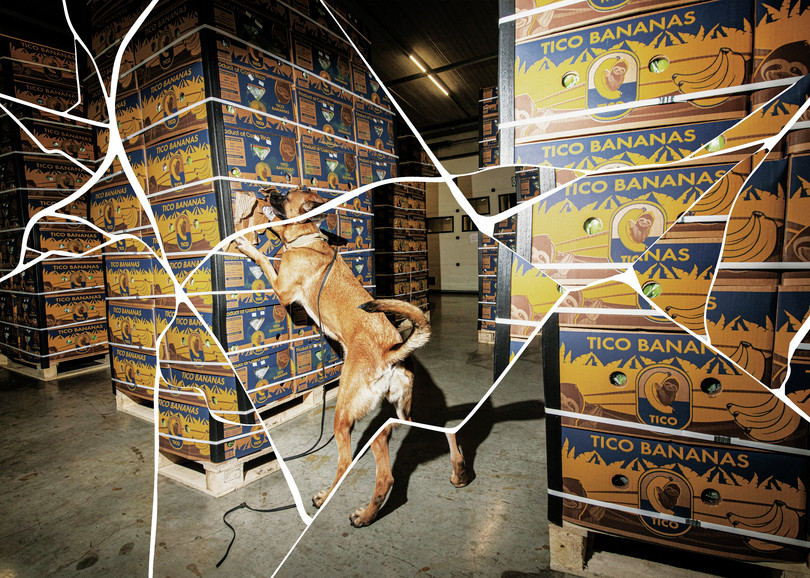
pixel 421 445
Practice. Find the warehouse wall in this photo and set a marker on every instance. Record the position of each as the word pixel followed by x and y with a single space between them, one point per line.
pixel 453 257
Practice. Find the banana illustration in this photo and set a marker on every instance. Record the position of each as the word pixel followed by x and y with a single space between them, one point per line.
pixel 774 426
pixel 754 241
pixel 661 389
pixel 717 200
pixel 764 408
pixel 609 76
pixel 779 520
pixel 691 317
pixel 750 359
pixel 663 494
pixel 634 228
pixel 727 69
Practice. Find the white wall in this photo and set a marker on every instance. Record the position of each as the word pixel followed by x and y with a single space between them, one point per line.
pixel 453 257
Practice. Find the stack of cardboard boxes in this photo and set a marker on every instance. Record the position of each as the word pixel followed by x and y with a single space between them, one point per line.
pixel 54 311
pixel 649 417
pixel 216 102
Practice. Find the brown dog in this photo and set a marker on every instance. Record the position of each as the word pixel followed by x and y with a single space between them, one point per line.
pixel 375 356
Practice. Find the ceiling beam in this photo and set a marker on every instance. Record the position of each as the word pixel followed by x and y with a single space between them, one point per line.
pixel 445 68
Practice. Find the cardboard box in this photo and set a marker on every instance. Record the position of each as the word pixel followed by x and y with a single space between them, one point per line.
pixel 133 371
pixel 366 86
pixel 267 377
pixel 258 91
pixel 255 328
pixel 375 129
pixel 132 322
pixel 188 224
pixel 18 207
pixel 223 393
pixel 328 163
pixel 322 59
pixel 375 167
pixel 75 239
pixel 577 14
pixel 717 484
pixel 791 312
pixel 357 229
pixel 757 221
pixel 780 40
pixel 76 274
pixel 532 297
pixel 116 208
pixel 198 287
pixel 129 276
pixel 325 114
pixel 797 220
pixel 177 162
pixel 51 345
pixel 246 284
pixel 315 363
pixel 69 308
pixel 624 61
pixel 52 96
pixel 76 141
pixel 44 173
pixel 115 175
pixel 190 342
pixel 178 91
pixel 677 272
pixel 269 155
pixel 235 53
pixel 39 54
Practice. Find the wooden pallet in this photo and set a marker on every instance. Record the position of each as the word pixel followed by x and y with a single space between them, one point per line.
pixel 486 336
pixel 572 551
pixel 137 407
pixel 59 369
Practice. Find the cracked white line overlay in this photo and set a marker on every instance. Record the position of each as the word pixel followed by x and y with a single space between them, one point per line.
pixel 485 224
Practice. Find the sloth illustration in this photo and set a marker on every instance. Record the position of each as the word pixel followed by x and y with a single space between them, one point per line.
pixel 787 61
pixel 668 495
pixel 124 284
pixel 615 76
pixel 65 181
pixel 571 398
pixel 170 104
pixel 348 160
pixel 283 92
pixel 640 228
pixel 667 391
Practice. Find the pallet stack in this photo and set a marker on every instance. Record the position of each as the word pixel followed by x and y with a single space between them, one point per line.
pixel 52 316
pixel 238 97
pixel 652 433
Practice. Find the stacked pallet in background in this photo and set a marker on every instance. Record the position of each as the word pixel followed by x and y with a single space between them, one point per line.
pixel 52 316
pixel 488 143
pixel 643 414
pixel 487 248
pixel 240 96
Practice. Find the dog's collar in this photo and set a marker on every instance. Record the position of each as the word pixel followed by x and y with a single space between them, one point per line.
pixel 305 240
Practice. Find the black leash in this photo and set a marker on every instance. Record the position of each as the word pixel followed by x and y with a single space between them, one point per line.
pixel 320 319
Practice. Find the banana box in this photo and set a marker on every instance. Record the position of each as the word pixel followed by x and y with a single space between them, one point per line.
pixel 190 342
pixel 322 59
pixel 7 308
pixel 740 319
pixel 145 240
pixel 325 114
pixel 173 52
pixel 36 201
pixel 610 305
pixel 487 289
pixel 10 253
pixel 51 345
pixel 37 54
pixel 109 26
pixel 315 362
pixel 133 371
pixel 357 229
pixel 577 14
pixel 797 219
pixel 780 40
pixel 188 224
pixel 489 261
pixel 720 484
pixel 73 238
pixel 270 155
pixel 129 276
pixel 489 154
pixel 52 96
pixel 268 377
pixel 365 85
pixel 677 272
pixel 672 381
pixel 198 284
pixel 533 295
pixel 222 392
pixel 299 322
pixel 132 323
pixel 270 93
pixel 624 61
pixel 50 174
pixel 375 129
pixel 488 312
pixel 775 108
pixel 116 208
pixel 401 240
pixel 180 161
pixel 170 105
pixel 396 285
pixel 49 276
pixel 115 174
pixel 26 310
pixel 250 331
pixel 756 224
pixel 327 162
pixel 70 308
pixel 798 141
pixel 374 167
pixel 792 310
pixel 246 285
pixel 654 146
pixel 76 141
pixel 238 54
pixel 362 267
pixel 400 196
pixel 190 431
pixel 318 85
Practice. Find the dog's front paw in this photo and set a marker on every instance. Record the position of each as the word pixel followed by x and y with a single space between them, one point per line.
pixel 358 518
pixel 319 498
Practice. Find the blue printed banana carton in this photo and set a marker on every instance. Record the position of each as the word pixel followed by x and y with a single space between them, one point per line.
pixel 74 239
pixel 235 53
pixel 357 229
pixel 132 323
pixel 188 224
pixel 653 146
pixel 797 219
pixel 249 331
pixel 268 377
pixel 129 277
pixel 198 287
pixel 533 294
pixel 365 85
pixel 677 272
pixel 271 91
pixel 325 114
pixel 780 40
pixel 191 342
pixel 75 275
pixel 115 209
pixel 270 155
pixel 375 127
pixel 373 167
pixel 327 162
pixel 687 50
pixel 246 284
pixel 792 310
pixel 672 381
pixel 180 161
pixel 361 266
pixel 70 308
pixel 316 363
pixel 318 85
pixel 42 173
pixel 720 484
pixel 740 319
pixel 322 59
pixel 49 345
pixel 115 175
pixel 133 373
pixel 76 141
pixel 615 217
pixel 222 392
pixel 170 105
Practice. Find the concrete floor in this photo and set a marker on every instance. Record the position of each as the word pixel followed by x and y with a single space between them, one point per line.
pixel 78 480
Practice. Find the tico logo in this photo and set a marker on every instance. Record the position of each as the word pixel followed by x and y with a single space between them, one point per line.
pixel 606 5
pixel 665 492
pixel 664 397
pixel 612 79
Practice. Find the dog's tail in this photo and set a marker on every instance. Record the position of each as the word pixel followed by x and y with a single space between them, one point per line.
pixel 418 337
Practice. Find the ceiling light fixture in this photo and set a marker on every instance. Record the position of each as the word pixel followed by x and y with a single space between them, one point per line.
pixel 432 78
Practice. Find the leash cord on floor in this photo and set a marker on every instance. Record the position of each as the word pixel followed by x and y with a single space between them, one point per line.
pixel 311 450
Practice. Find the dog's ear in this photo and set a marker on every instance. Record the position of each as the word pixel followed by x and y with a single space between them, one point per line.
pixel 310 206
pixel 276 202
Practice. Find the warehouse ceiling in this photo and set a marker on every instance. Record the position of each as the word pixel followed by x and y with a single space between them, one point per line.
pixel 456 40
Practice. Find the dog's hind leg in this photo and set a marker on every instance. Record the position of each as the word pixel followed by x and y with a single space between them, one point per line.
pixel 460 477
pixel 343 437
pixel 364 515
